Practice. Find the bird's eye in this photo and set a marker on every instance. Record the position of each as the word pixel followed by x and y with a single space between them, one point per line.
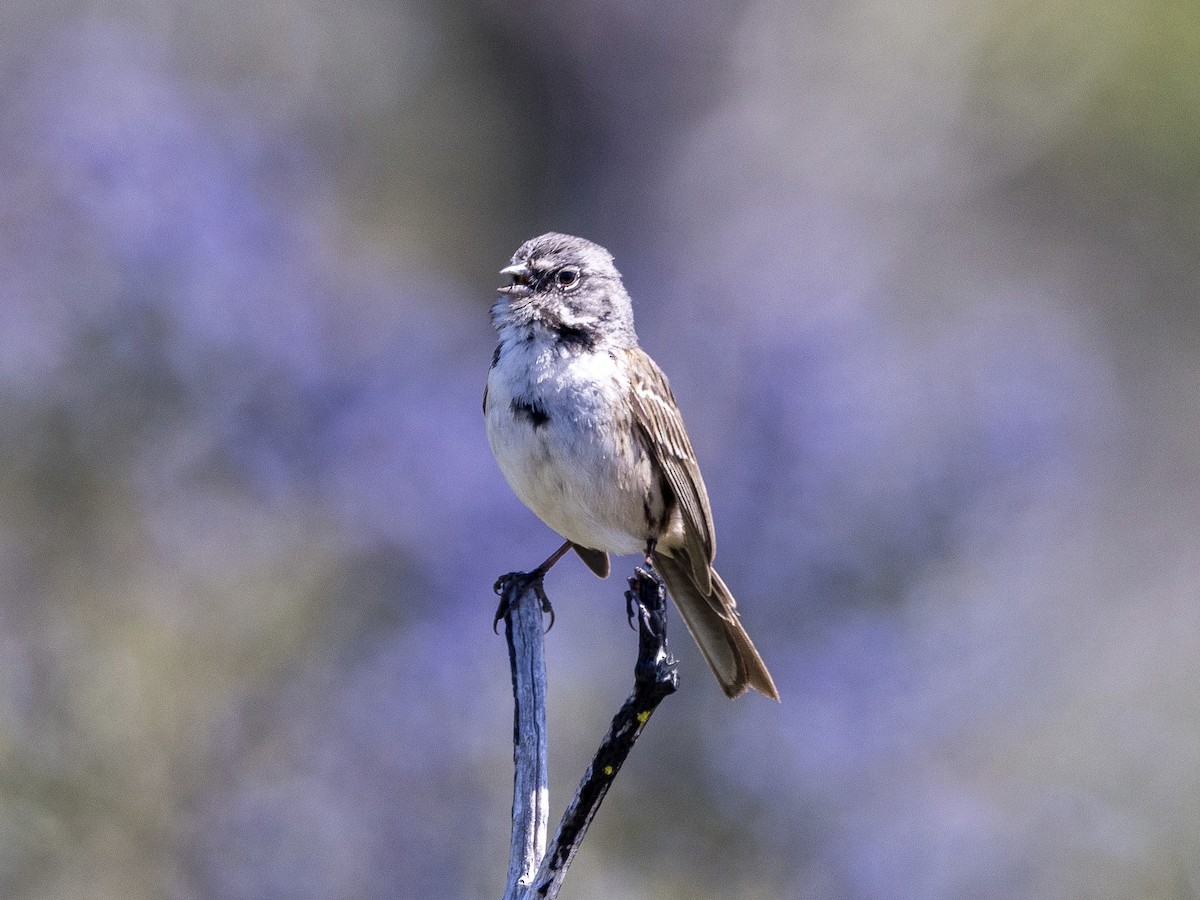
pixel 567 277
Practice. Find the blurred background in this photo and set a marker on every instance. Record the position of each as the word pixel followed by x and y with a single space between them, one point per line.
pixel 924 276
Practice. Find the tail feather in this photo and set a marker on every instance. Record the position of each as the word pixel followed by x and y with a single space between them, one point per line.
pixel 712 619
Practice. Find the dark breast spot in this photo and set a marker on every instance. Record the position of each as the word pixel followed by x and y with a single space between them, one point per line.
pixel 576 338
pixel 529 410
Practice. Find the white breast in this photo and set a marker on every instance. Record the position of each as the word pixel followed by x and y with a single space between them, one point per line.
pixel 579 470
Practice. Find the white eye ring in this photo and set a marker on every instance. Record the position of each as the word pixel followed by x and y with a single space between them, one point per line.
pixel 567 277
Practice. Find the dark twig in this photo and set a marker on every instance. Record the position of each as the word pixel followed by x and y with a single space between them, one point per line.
pixel 534 873
pixel 654 678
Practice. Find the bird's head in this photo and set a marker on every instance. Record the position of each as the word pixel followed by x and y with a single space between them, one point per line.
pixel 569 287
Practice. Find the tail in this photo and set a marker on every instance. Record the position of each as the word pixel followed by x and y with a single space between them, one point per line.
pixel 713 621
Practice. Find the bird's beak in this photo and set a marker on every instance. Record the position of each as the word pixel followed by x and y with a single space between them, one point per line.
pixel 522 277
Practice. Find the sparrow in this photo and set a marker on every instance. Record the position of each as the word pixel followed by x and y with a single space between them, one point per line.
pixel 586 431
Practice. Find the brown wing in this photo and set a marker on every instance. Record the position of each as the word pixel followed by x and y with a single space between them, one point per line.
pixel 661 426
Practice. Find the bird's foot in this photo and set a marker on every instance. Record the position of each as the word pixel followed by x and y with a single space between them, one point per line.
pixel 510 585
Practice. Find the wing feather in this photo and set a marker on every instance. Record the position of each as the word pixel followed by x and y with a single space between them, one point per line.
pixel 661 428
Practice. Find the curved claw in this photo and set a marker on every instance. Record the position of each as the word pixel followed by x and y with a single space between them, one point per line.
pixel 501 612
pixel 547 607
pixel 500 587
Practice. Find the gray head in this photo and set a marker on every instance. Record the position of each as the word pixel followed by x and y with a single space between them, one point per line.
pixel 569 289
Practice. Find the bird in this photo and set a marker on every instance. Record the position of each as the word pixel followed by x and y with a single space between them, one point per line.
pixel 586 431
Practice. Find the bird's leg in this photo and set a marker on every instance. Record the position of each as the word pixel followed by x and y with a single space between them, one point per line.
pixel 552 559
pixel 651 543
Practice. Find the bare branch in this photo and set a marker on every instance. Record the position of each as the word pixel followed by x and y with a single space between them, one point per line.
pixel 522 601
pixel 654 678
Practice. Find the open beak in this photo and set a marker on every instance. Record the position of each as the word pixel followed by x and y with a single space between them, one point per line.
pixel 522 280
